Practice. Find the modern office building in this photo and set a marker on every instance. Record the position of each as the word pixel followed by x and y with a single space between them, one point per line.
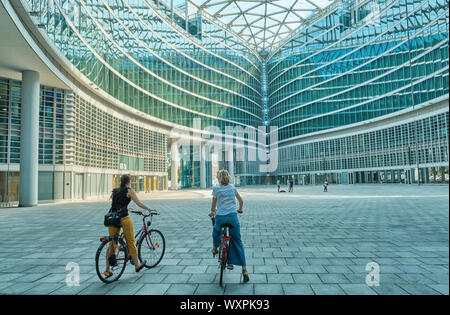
pixel 352 91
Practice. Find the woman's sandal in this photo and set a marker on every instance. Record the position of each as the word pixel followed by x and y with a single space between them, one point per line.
pixel 215 251
pixel 245 276
pixel 141 266
pixel 107 274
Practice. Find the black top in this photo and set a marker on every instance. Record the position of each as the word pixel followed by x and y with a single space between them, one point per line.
pixel 120 200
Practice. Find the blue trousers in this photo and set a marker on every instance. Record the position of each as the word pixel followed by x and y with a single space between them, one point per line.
pixel 236 254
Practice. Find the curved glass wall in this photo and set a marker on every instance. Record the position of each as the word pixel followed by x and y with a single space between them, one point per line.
pixel 132 51
pixel 358 61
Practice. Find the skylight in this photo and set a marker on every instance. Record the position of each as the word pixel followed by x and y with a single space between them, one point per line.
pixel 262 23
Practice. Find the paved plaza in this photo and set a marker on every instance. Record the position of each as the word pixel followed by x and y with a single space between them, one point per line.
pixel 305 242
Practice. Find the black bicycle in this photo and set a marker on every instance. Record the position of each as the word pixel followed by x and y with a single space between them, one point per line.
pixel 223 248
pixel 113 250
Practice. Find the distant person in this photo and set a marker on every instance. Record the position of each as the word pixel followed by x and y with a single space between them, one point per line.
pixel 325 185
pixel 278 184
pixel 224 199
pixel 291 185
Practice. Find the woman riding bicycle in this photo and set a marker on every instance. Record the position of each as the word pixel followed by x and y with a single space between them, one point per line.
pixel 121 197
pixel 224 197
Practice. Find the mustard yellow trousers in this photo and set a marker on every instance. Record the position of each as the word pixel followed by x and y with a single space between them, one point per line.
pixel 128 232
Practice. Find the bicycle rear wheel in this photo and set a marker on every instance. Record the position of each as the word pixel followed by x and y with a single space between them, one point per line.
pixel 151 248
pixel 114 252
pixel 223 263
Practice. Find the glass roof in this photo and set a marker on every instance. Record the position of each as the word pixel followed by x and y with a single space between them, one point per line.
pixel 262 23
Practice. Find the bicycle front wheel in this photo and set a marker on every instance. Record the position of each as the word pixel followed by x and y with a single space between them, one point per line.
pixel 114 255
pixel 151 248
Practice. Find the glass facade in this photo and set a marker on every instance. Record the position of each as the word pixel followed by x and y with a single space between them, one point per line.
pixel 75 135
pixel 325 86
pixel 332 75
pixel 396 148
pixel 132 51
pixel 356 62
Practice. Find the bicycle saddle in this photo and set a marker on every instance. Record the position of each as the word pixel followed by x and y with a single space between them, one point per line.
pixel 228 225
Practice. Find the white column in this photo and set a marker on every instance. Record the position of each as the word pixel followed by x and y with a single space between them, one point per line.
pixel 174 165
pixel 202 165
pixel 29 147
pixel 230 159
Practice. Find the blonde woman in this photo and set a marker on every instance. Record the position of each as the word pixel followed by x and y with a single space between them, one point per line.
pixel 224 199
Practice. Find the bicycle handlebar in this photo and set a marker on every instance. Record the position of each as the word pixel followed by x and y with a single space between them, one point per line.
pixel 152 212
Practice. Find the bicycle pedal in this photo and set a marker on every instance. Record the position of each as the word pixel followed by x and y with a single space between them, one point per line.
pixel 230 267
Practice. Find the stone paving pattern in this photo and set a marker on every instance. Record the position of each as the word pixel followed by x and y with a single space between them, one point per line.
pixel 305 242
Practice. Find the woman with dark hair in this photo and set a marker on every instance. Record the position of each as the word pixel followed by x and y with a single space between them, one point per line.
pixel 121 197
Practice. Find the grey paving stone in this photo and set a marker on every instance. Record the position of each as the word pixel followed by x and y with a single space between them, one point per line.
pixel 9 277
pixel 333 278
pixel 313 269
pixel 258 278
pixel 72 290
pixel 357 289
pixel 170 261
pixel 279 278
pixel 274 261
pixel 52 278
pixel 306 278
pixel 209 289
pixel 265 269
pixel 268 289
pixel 441 288
pixel 337 269
pixel 419 289
pixel 126 289
pixel 296 261
pixel 177 278
pixel 435 268
pixel 389 290
pixel 289 269
pixel 153 289
pixel 327 289
pixel 181 289
pixel 239 289
pixel 31 277
pixel 152 278
pixel 416 278
pixel 202 278
pixel 189 262
pixel 195 269
pixel 17 288
pixel 439 278
pixel 98 288
pixel 44 288
pixel 340 262
pixel 297 289
pixel 172 269
pixel 411 269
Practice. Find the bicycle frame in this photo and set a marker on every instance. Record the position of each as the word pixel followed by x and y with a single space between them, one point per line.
pixel 144 231
pixel 224 244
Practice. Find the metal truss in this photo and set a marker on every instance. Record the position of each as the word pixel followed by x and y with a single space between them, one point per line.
pixel 262 23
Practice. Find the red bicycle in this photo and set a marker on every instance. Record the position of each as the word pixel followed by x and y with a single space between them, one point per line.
pixel 150 243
